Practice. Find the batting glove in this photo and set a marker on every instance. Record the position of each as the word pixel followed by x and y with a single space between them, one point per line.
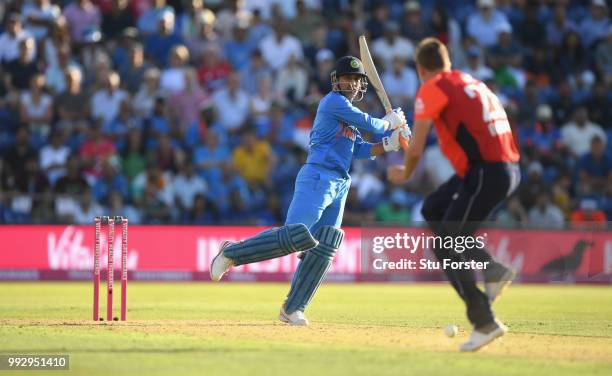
pixel 396 118
pixel 398 138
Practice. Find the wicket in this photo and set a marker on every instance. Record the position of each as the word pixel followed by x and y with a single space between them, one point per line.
pixel 110 222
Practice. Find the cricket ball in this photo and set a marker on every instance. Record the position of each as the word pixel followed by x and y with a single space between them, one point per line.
pixel 451 330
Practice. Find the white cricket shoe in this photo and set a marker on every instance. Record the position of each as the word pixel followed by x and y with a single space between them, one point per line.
pixel 297 318
pixel 497 278
pixel 220 264
pixel 480 338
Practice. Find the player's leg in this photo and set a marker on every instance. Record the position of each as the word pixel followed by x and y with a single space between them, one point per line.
pixel 482 189
pixel 310 199
pixel 505 177
pixel 316 262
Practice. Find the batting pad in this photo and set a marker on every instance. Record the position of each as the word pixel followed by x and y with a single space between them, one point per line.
pixel 272 243
pixel 313 268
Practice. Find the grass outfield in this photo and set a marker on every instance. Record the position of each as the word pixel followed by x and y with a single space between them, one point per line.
pixel 356 329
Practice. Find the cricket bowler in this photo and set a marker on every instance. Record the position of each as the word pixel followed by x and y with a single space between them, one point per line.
pixel 474 134
pixel 315 213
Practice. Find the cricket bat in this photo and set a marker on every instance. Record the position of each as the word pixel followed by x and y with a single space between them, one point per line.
pixel 370 69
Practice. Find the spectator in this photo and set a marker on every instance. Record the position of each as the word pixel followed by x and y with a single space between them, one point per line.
pixel 211 159
pixel 232 104
pixel 476 66
pixel 85 209
pixel 95 151
pixel 256 70
pixel 148 22
pixel 485 25
pixel 531 31
pixel 59 37
pixel 391 45
pixel 73 183
pixel 82 15
pixel 16 156
pixel 596 25
pixel 117 206
pixel 188 186
pixel 261 102
pixel 117 20
pixel 588 216
pixel 394 211
pixel 55 75
pixel 144 99
pixel 238 50
pixel 278 129
pixel 111 180
pixel 202 213
pixel 578 133
pixel 206 37
pixel 132 159
pixel 544 214
pixel 375 25
pixel 186 104
pixel 172 79
pixel 105 102
pixel 21 70
pixel 594 169
pixel 445 28
pixel 39 16
pixel 599 107
pixel 305 21
pixel 513 215
pixel 36 109
pixel 158 45
pixel 540 139
pixel 72 104
pixel 253 159
pixel 11 39
pixel 277 48
pixel 603 58
pixel 133 71
pixel 533 185
pixel 570 57
pixel 559 25
pixel 213 71
pixel 53 158
pixel 400 82
pixel 117 129
pixel 292 82
pixel 505 58
pixel 413 26
pixel 153 188
pixel 189 19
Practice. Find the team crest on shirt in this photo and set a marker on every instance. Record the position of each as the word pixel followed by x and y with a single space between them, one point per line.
pixel 347 131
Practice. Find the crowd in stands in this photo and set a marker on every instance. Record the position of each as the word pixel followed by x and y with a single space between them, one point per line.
pixel 199 111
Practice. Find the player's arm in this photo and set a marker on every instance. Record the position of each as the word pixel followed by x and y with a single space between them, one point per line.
pixel 394 142
pixel 430 103
pixel 342 110
pixel 400 174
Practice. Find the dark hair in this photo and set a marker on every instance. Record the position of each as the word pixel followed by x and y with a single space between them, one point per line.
pixel 432 54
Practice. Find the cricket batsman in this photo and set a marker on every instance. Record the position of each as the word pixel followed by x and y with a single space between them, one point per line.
pixel 474 134
pixel 315 213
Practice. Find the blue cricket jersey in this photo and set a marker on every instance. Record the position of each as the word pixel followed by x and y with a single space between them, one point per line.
pixel 335 137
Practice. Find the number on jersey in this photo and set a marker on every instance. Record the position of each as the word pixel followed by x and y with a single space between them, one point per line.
pixel 493 113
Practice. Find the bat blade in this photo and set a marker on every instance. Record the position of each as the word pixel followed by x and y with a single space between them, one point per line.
pixel 370 69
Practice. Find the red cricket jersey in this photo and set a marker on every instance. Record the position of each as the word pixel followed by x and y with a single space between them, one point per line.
pixel 469 119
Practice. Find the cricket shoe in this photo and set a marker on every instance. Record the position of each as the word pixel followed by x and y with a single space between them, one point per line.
pixel 497 277
pixel 483 336
pixel 220 264
pixel 297 318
